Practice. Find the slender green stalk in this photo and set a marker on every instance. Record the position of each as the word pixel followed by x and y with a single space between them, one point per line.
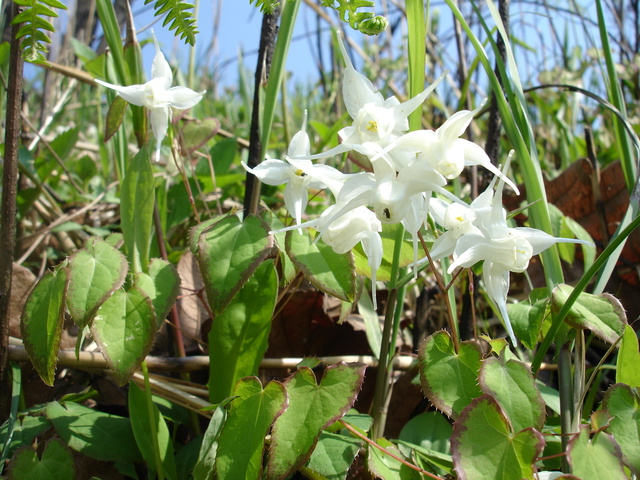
pixel 616 97
pixel 416 38
pixel 191 75
pixel 565 385
pixel 383 375
pixel 152 422
pixel 278 64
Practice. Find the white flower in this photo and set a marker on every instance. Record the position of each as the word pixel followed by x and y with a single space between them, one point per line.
pixel 376 122
pixel 444 151
pixel 158 96
pixel 298 175
pixel 502 249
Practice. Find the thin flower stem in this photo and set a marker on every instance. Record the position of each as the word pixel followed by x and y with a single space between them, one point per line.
pixel 383 375
pixel 152 424
pixel 183 174
pixel 453 326
pixel 387 452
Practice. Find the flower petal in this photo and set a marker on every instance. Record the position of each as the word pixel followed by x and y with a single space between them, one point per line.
pixel 134 94
pixel 271 171
pixel 183 97
pixel 496 284
pixel 159 125
pixel 160 67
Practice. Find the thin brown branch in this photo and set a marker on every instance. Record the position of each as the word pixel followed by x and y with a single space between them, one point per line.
pixel 8 207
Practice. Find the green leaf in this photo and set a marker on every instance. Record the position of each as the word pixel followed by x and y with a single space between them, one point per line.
pixel 180 15
pixel 34 39
pixel 136 210
pixel 623 404
pixel 484 445
pixel 331 272
pixel 95 434
pixel 56 463
pixel 312 408
pixel 595 458
pixel 512 385
pixel 205 466
pixel 238 337
pixel 149 429
pixel 229 252
pixel 602 314
pixel 223 153
pixel 334 455
pixel 627 370
pixel 95 273
pixel 388 236
pixel 241 445
pixel 386 467
pixel 429 430
pixel 27 427
pixel 196 133
pixel 373 329
pixel 526 320
pixel 161 285
pixel 124 329
pixel 42 320
pixel 449 380
pixel 115 116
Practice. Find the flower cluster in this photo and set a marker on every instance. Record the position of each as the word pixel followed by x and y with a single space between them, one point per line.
pixel 409 168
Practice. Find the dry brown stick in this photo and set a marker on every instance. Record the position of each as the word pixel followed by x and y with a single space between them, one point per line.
pixel 8 208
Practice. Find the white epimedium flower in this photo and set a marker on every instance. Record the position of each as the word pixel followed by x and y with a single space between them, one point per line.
pixel 376 122
pixel 502 249
pixel 298 175
pixel 443 150
pixel 158 96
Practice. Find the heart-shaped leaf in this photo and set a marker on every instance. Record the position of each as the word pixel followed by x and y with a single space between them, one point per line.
pixel 602 314
pixel 42 320
pixel 241 444
pixel 312 408
pixel 623 404
pixel 331 272
pixel 124 328
pixel 229 252
pixel 95 273
pixel 512 385
pixel 56 462
pixel 161 285
pixel 334 455
pixel 239 336
pixel 595 458
pixel 93 433
pixel 484 445
pixel 449 379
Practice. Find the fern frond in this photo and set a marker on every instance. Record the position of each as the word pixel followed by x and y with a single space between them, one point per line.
pixel 266 6
pixel 365 22
pixel 180 14
pixel 34 41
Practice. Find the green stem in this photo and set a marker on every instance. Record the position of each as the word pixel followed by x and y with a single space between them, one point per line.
pixel 383 375
pixel 416 38
pixel 566 400
pixel 152 422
